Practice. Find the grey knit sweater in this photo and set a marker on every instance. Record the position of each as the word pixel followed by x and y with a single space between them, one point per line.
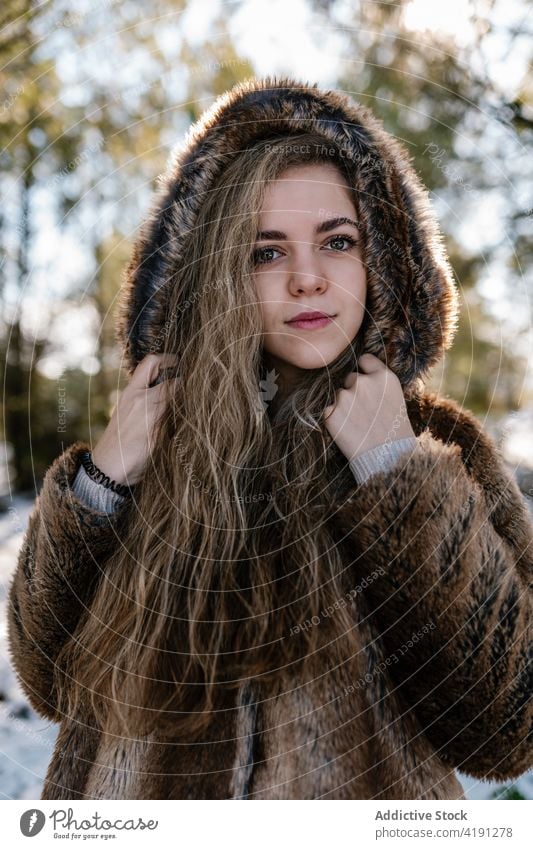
pixel 378 459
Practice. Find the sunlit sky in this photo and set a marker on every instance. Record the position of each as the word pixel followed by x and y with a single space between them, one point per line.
pixel 288 35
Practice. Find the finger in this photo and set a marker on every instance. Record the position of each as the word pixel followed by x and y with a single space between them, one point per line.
pixel 148 368
pixel 350 380
pixel 160 391
pixel 370 363
pixel 164 374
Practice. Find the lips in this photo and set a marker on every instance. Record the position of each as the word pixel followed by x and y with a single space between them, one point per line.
pixel 309 316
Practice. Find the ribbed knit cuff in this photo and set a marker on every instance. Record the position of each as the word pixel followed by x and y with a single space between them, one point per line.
pixel 94 494
pixel 381 458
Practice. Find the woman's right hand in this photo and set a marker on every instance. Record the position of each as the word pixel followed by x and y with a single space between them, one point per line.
pixel 125 445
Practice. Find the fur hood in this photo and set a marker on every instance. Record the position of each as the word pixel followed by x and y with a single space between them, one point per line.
pixel 411 292
pixel 438 550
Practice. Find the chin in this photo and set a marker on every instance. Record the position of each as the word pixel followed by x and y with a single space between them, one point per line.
pixel 316 362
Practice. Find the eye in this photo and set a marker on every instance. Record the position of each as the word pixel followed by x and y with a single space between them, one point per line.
pixel 258 254
pixel 339 237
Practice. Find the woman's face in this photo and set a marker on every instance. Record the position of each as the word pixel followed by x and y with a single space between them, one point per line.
pixel 305 261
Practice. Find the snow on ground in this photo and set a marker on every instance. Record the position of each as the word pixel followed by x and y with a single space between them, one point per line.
pixel 27 740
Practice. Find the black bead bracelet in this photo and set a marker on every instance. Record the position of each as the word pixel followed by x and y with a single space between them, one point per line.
pixel 97 475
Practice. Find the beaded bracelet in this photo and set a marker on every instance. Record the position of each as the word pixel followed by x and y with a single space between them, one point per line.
pixel 97 475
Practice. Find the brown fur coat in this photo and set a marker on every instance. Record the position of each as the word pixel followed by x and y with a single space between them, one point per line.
pixel 440 547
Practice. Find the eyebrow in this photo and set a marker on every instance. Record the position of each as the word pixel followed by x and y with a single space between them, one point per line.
pixel 323 227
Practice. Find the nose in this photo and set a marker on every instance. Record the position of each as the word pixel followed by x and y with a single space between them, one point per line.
pixel 305 273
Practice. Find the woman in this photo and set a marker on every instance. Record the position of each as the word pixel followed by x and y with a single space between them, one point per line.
pixel 286 570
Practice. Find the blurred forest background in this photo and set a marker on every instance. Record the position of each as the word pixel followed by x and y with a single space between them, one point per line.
pixel 95 94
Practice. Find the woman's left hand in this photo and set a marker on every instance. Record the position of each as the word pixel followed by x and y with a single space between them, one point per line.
pixel 369 410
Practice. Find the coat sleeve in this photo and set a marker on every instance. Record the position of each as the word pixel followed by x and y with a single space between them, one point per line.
pixel 96 495
pixel 380 458
pixel 453 599
pixel 59 564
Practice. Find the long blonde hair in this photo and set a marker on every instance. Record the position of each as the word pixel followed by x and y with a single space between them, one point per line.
pixel 225 557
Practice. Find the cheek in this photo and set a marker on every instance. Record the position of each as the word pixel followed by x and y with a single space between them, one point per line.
pixel 260 288
pixel 353 300
pixel 266 301
pixel 355 290
pixel 269 320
